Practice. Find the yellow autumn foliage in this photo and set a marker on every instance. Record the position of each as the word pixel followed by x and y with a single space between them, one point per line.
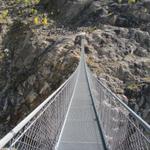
pixel 36 20
pixel 37 1
pixel 3 16
pixel 27 2
pixel 131 1
pixel 5 13
pixel 1 55
pixel 44 21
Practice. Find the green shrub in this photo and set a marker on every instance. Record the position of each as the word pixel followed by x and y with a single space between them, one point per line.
pixel 131 1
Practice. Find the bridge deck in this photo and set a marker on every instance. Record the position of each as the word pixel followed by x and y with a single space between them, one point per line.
pixel 81 130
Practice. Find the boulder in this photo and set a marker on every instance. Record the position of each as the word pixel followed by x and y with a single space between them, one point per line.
pixel 31 97
pixel 141 37
pixel 146 4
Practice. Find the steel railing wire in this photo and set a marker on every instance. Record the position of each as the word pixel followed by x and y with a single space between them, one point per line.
pixel 122 128
pixel 41 128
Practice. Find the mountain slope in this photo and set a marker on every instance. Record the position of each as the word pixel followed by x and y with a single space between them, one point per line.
pixel 39 49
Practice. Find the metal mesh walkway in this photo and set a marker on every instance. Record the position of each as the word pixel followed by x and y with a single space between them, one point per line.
pixel 81 130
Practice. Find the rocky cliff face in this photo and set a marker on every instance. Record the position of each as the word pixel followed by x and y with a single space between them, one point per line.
pixel 101 11
pixel 35 60
pixel 139 99
pixel 34 64
pixel 118 43
pixel 123 63
pixel 66 10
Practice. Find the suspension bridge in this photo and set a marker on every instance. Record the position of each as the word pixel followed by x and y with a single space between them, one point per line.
pixel 82 114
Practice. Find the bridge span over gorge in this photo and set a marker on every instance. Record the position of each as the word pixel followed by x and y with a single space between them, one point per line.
pixel 82 114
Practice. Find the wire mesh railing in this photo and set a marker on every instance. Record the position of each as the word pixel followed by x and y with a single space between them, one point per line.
pixel 122 128
pixel 41 129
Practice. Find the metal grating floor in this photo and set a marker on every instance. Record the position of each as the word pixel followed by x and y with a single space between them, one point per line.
pixel 81 131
